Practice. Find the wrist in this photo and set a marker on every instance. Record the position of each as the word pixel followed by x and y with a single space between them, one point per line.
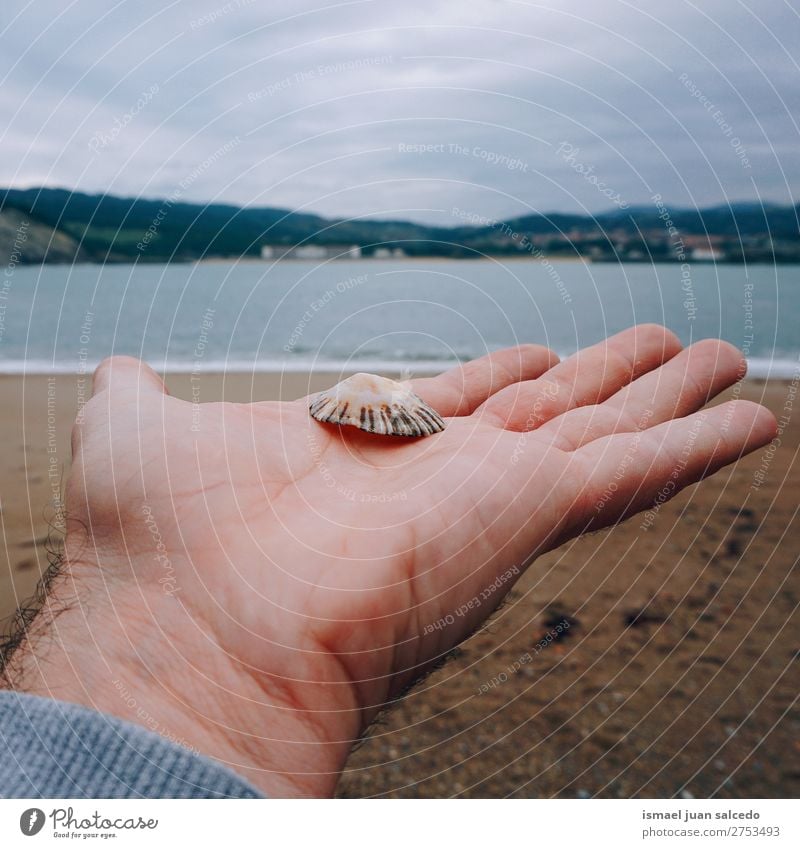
pixel 146 655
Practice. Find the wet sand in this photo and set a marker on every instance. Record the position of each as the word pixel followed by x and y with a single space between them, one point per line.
pixel 674 664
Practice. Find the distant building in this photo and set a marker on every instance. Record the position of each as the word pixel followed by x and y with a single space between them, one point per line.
pixel 706 254
pixel 310 251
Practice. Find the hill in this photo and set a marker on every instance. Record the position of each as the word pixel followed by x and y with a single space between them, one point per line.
pixel 24 241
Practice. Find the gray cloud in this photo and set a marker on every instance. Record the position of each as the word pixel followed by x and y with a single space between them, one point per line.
pixel 698 103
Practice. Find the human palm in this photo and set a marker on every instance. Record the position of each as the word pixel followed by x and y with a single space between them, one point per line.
pixel 317 570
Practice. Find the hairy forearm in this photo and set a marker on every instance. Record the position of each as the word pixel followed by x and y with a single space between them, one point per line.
pixel 139 654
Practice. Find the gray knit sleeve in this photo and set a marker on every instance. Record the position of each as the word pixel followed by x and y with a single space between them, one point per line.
pixel 52 749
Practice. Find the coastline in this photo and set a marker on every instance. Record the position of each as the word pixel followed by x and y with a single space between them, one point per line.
pixel 759 369
pixel 667 621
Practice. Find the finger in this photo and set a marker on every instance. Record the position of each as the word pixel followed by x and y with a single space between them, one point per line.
pixel 629 472
pixel 461 390
pixel 588 377
pixel 126 372
pixel 683 385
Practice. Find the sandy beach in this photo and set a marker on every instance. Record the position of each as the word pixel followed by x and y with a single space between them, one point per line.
pixel 675 669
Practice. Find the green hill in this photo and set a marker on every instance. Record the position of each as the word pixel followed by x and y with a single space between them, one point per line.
pixel 106 228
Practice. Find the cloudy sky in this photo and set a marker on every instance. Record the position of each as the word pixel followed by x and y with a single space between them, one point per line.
pixel 405 109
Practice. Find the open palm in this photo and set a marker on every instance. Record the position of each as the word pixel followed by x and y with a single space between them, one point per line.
pixel 307 573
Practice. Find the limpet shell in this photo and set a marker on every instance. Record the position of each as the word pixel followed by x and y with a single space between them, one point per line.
pixel 377 405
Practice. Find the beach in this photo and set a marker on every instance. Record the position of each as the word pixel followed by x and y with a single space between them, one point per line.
pixel 655 659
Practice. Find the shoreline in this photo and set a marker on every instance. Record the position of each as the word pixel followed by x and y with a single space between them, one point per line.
pixel 523 256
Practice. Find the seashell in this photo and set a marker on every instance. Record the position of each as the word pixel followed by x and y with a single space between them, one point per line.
pixel 377 405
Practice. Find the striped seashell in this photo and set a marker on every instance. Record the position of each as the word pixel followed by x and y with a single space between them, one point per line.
pixel 377 405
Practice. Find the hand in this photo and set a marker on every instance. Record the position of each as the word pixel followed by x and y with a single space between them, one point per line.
pixel 263 584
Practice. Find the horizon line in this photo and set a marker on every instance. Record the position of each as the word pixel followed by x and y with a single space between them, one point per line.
pixel 756 203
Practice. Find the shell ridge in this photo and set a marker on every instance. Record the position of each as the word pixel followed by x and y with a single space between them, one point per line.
pixel 378 405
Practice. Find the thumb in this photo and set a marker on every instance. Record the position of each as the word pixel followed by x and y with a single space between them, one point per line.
pixel 126 372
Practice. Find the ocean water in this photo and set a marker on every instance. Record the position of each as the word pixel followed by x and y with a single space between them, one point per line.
pixel 370 314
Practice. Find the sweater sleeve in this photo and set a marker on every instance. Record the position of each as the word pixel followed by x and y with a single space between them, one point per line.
pixel 52 749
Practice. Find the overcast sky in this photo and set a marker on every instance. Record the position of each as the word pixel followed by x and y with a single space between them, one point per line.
pixel 553 106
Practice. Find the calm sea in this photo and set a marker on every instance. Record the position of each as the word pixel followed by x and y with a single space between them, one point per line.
pixel 375 314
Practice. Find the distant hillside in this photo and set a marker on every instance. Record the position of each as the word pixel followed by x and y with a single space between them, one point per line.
pixel 24 241
pixel 110 228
